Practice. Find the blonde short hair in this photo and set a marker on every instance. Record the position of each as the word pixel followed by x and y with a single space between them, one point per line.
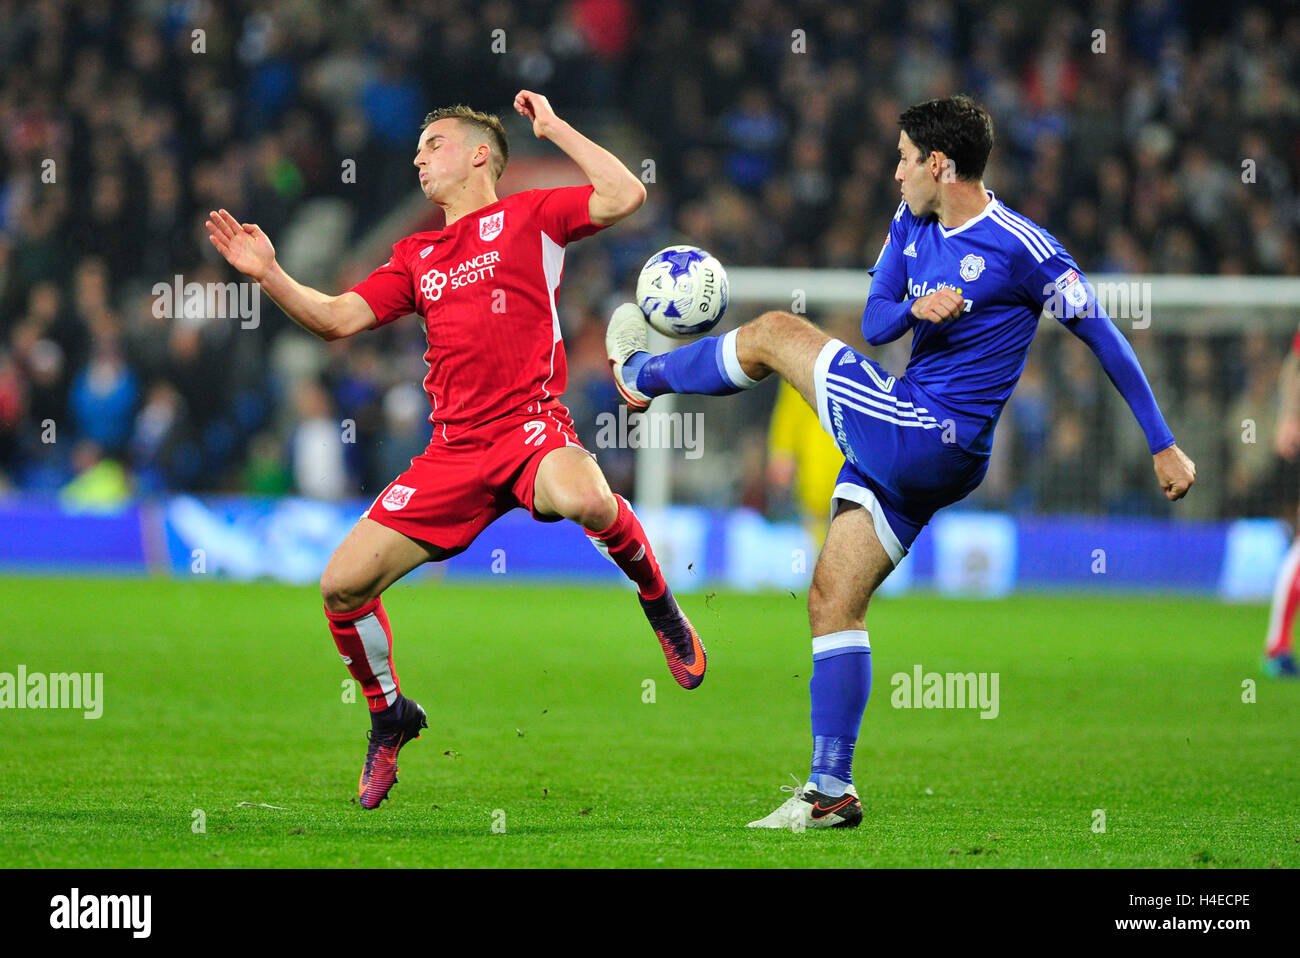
pixel 487 124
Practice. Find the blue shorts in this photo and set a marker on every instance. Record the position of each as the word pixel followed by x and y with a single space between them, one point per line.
pixel 897 462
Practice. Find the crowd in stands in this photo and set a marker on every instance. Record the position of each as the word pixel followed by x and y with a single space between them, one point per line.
pixel 1150 136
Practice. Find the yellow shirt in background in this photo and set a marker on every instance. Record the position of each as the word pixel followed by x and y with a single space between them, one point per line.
pixel 796 433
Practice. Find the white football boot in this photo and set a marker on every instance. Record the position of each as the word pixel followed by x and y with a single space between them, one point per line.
pixel 808 808
pixel 628 333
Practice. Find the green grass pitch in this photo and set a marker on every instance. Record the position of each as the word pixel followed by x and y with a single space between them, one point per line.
pixel 219 694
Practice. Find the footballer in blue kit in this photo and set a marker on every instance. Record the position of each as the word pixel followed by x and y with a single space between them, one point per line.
pixel 970 278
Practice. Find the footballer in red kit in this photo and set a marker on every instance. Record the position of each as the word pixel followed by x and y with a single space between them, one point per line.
pixel 486 286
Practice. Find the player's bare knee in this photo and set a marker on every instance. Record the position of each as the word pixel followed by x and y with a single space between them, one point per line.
pixel 831 610
pixel 591 505
pixel 778 323
pixel 763 336
pixel 339 594
pixel 593 508
pixel 332 594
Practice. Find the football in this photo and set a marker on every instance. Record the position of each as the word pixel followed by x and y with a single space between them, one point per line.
pixel 683 291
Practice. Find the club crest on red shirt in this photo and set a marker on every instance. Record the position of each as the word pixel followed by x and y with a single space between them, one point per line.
pixel 396 497
pixel 489 227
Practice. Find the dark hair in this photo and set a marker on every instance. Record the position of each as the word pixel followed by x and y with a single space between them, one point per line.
pixel 955 126
pixel 486 125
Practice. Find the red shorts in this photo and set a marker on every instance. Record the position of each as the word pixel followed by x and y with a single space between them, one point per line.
pixel 455 490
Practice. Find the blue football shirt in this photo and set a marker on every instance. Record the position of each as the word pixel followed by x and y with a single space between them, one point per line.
pixel 1008 270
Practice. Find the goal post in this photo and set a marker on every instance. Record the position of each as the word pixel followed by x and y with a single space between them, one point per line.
pixel 838 288
pixel 1151 305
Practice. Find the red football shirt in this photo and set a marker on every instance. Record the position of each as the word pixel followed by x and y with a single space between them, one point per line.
pixel 486 287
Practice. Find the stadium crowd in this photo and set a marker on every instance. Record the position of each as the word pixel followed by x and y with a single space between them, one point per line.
pixel 1150 136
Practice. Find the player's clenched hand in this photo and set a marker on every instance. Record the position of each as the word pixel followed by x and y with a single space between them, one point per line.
pixel 244 246
pixel 1175 472
pixel 937 306
pixel 537 109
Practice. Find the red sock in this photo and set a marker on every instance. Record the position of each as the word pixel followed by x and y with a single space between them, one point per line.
pixel 1286 602
pixel 365 640
pixel 625 544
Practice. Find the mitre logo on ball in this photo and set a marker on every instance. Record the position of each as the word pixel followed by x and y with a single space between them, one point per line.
pixel 683 291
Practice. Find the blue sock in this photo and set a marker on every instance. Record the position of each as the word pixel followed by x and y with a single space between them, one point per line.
pixel 708 366
pixel 632 368
pixel 840 687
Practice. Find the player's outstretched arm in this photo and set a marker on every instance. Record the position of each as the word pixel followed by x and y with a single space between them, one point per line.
pixel 249 250
pixel 1174 470
pixel 618 193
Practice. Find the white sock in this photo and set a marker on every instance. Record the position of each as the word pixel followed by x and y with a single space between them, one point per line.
pixel 828 784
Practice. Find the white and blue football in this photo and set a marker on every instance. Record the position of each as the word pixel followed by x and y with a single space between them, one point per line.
pixel 683 291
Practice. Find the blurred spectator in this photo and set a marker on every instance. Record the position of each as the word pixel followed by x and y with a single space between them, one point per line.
pixel 405 433
pixel 100 483
pixel 13 402
pixel 104 395
pixel 1251 421
pixel 162 446
pixel 316 448
pixel 266 472
pixel 1199 414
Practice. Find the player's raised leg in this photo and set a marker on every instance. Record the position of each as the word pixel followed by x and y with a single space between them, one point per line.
pixel 368 561
pixel 851 566
pixel 713 365
pixel 570 484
